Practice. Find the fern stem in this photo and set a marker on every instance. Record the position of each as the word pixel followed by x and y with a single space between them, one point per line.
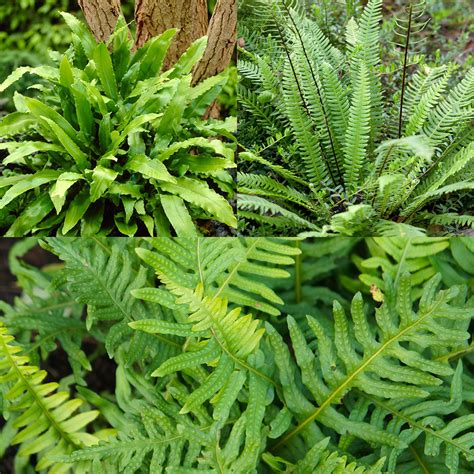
pixel 318 90
pixel 419 460
pixel 236 268
pixel 456 354
pixel 242 363
pixel 405 65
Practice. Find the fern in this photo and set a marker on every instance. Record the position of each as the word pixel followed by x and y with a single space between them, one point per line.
pixel 98 275
pixel 363 364
pixel 369 365
pixel 330 101
pixel 226 268
pixel 45 423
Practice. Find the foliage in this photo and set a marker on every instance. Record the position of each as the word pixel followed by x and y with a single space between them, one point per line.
pixel 250 355
pixel 114 145
pixel 324 143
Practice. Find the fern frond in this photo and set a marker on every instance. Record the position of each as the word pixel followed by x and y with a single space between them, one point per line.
pixel 424 420
pixel 450 166
pixel 227 268
pixel 456 109
pixel 452 219
pixel 420 201
pixel 373 368
pixel 45 423
pixel 238 334
pixel 318 459
pixel 154 440
pixel 427 101
pixel 366 50
pixel 396 255
pixel 100 277
pixel 278 169
pixel 358 130
pixel 398 229
pixel 265 207
pixel 302 125
pixel 262 185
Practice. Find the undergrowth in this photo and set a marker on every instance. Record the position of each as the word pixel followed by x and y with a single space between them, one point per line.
pixel 241 355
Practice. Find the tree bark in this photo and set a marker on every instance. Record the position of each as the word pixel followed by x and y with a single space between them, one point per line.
pixel 222 34
pixel 153 17
pixel 101 16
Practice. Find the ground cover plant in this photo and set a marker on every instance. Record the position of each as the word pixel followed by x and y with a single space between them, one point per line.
pixel 117 143
pixel 335 140
pixel 239 355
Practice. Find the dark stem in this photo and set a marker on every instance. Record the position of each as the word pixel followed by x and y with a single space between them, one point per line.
pixel 313 75
pixel 381 169
pixel 405 66
pixel 300 90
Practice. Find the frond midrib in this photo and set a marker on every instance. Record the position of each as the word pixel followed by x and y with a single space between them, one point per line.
pixel 414 423
pixel 38 400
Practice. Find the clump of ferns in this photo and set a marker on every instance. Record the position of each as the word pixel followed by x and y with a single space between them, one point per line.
pixel 348 146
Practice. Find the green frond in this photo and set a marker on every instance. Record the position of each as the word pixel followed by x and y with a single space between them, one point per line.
pixel 267 208
pixel 44 418
pixel 452 219
pixel 100 277
pixel 358 130
pixel 318 459
pixel 153 440
pixel 396 255
pixel 209 316
pixel 398 229
pixel 455 110
pixel 426 101
pixel 433 194
pixel 440 173
pixel 372 367
pixel 262 185
pixel 367 51
pixel 424 420
pixel 278 169
pixel 234 269
pixel 303 130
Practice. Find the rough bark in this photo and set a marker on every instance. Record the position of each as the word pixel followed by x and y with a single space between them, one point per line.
pixel 101 16
pixel 222 34
pixel 152 17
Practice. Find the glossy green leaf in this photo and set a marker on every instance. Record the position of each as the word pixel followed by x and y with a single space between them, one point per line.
pixel 34 213
pixel 105 71
pixel 151 168
pixel 102 178
pixel 199 194
pixel 178 215
pixel 76 211
pixel 59 189
pixel 28 183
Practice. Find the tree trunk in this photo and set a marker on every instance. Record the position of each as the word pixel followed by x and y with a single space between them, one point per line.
pixel 155 16
pixel 101 16
pixel 222 34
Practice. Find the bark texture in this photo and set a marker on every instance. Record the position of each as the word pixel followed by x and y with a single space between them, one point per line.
pixel 101 16
pixel 152 17
pixel 222 34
